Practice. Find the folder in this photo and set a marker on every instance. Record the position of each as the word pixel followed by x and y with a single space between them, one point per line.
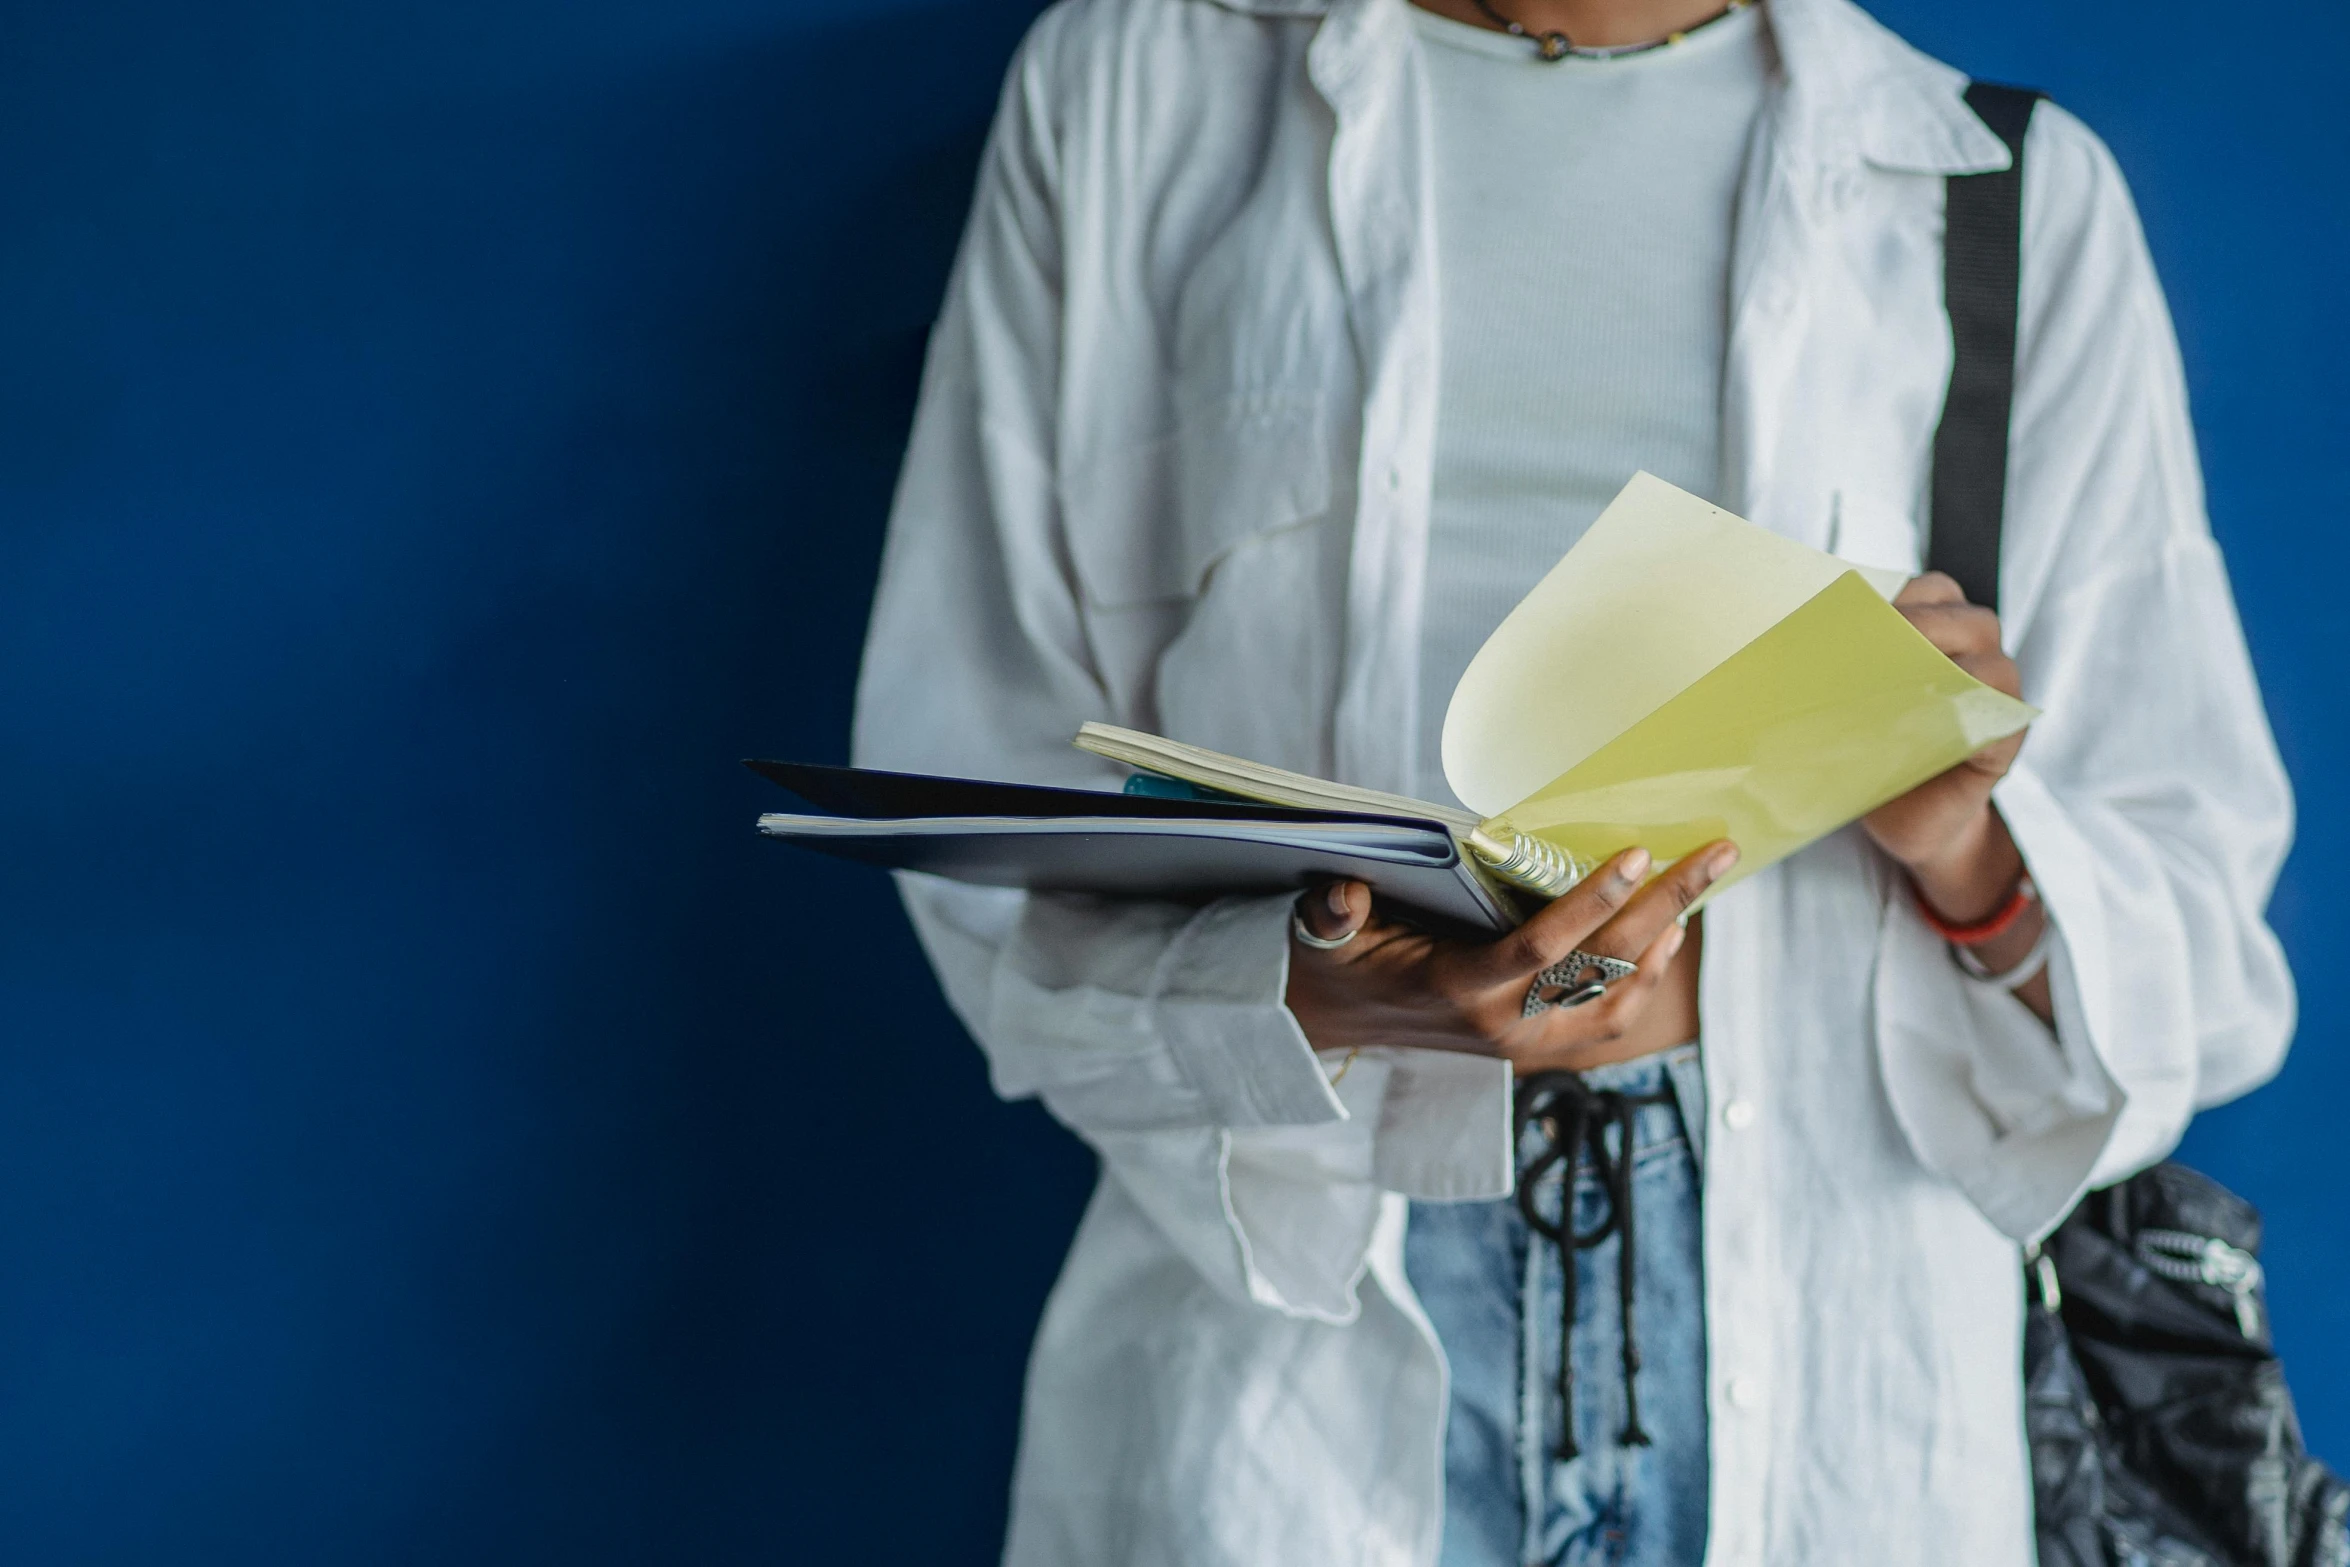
pixel 1136 845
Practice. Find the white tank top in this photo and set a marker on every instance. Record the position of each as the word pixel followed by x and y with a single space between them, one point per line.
pixel 1583 213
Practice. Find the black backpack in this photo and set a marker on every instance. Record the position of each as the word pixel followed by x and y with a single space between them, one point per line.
pixel 2161 1431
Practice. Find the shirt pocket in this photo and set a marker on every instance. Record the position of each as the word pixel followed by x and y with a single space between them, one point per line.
pixel 1149 521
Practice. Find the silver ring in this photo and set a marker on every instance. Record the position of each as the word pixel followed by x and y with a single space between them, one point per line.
pixel 1297 928
pixel 1579 979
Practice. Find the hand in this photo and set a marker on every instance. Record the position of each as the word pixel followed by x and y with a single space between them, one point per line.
pixel 1944 832
pixel 1394 985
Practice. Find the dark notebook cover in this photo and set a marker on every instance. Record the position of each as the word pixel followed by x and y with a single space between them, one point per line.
pixel 1123 845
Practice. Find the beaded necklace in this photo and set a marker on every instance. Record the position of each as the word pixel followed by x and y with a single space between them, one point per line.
pixel 1556 45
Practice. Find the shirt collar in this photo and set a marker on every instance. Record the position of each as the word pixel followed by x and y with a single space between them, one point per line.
pixel 1856 92
pixel 1859 93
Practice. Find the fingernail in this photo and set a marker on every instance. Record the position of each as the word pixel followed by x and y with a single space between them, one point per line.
pixel 1633 865
pixel 1673 938
pixel 1337 899
pixel 1723 858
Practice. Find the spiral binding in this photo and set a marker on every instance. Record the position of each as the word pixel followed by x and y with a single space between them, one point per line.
pixel 1523 860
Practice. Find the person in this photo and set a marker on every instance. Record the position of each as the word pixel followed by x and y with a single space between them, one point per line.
pixel 1290 342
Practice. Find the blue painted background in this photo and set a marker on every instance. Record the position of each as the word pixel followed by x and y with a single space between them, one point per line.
pixel 435 441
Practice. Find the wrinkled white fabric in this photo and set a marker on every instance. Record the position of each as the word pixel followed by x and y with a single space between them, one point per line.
pixel 1172 468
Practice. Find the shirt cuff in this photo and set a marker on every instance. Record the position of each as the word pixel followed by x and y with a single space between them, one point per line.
pixel 1446 1128
pixel 2016 1116
pixel 1301 1161
pixel 1217 1001
pixel 1303 1202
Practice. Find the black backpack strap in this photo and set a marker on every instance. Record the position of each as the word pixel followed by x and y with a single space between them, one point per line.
pixel 1982 253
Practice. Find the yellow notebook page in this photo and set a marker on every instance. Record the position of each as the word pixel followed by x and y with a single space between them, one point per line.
pixel 1838 708
pixel 1662 588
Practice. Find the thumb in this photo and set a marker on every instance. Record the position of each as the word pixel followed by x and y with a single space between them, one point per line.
pixel 1933 587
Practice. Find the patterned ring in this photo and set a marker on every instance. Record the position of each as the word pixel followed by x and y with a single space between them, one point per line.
pixel 1575 980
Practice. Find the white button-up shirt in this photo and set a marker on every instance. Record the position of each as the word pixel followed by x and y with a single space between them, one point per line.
pixel 1171 469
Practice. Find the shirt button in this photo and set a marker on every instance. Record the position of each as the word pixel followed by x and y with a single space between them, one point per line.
pixel 1745 1391
pixel 1738 1114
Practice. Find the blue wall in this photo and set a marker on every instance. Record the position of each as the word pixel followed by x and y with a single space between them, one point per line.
pixel 435 441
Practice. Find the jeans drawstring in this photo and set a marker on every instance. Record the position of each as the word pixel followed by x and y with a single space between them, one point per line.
pixel 1574 1118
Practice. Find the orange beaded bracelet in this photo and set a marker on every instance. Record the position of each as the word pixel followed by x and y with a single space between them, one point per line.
pixel 1991 927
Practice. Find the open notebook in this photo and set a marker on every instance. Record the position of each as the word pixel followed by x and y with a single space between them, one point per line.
pixel 1679 676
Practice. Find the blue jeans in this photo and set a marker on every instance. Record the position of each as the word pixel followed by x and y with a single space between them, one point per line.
pixel 1493 1287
